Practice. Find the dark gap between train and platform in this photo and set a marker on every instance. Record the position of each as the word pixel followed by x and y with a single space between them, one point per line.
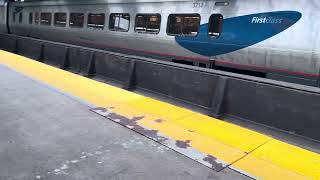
pixel 242 71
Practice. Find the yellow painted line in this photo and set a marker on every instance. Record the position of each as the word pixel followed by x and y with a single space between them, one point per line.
pixel 225 132
pixel 246 150
pixel 284 160
pixel 199 142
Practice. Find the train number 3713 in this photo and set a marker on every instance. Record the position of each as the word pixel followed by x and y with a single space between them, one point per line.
pixel 198 4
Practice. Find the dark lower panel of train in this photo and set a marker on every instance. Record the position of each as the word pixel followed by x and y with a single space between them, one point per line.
pixel 289 107
pixel 280 76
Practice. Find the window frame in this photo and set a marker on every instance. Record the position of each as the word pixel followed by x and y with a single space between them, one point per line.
pixel 83 20
pixel 147 14
pixel 30 17
pixel 129 24
pixel 46 24
pixel 60 24
pixel 14 17
pixel 20 18
pixel 220 29
pixel 183 35
pixel 37 18
pixel 95 27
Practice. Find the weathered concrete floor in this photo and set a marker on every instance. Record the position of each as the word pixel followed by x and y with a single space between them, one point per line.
pixel 45 134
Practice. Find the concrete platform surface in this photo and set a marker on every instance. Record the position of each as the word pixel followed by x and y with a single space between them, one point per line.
pixel 45 134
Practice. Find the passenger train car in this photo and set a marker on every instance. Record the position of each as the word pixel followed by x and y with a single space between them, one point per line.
pixel 276 39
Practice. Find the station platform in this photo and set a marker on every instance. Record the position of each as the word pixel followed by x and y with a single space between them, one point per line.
pixel 46 134
pixel 56 123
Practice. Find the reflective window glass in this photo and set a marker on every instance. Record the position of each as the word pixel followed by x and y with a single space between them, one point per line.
pixel 119 22
pixel 45 19
pixel 60 19
pixel 96 21
pixel 183 24
pixel 215 25
pixel 148 23
pixel 76 20
pixel 30 18
pixel 20 18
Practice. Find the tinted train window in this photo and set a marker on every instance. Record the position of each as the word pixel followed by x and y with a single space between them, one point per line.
pixel 30 18
pixel 76 20
pixel 119 22
pixel 36 18
pixel 183 24
pixel 215 25
pixel 96 21
pixel 14 17
pixel 148 23
pixel 45 19
pixel 60 19
pixel 20 18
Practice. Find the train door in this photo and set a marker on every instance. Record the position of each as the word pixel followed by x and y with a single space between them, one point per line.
pixel 214 30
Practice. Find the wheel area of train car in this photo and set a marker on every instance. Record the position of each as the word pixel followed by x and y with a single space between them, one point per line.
pixel 159 89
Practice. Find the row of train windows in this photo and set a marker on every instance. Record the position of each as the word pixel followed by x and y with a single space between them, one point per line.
pixel 178 24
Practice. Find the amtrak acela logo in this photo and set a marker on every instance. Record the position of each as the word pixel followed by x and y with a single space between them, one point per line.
pixel 234 35
pixel 266 20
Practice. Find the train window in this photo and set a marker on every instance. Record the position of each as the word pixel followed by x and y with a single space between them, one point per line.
pixel 45 19
pixel 148 23
pixel 76 20
pixel 36 18
pixel 96 21
pixel 119 22
pixel 215 25
pixel 30 18
pixel 14 17
pixel 183 24
pixel 60 19
pixel 20 18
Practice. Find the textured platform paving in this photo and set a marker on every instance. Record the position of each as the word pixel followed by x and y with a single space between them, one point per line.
pixel 214 143
pixel 45 134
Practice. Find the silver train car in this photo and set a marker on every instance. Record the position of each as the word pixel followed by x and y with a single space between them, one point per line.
pixel 276 39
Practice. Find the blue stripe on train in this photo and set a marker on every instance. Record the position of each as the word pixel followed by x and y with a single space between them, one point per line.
pixel 240 32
